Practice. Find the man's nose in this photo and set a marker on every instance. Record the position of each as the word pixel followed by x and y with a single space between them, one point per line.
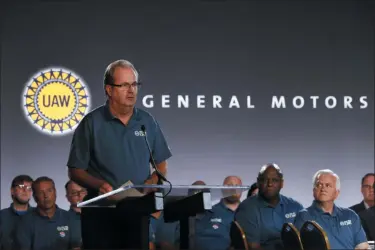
pixel 269 183
pixel 131 89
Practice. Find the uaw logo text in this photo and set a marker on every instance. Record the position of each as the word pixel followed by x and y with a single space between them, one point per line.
pixel 55 101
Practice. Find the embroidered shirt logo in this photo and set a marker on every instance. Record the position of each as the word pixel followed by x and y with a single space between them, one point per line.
pixel 290 215
pixel 139 133
pixel 63 228
pixel 345 223
pixel 216 220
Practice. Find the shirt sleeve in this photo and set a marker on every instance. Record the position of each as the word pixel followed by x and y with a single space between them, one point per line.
pixel 248 220
pixel 302 216
pixel 79 155
pixel 358 232
pixel 160 148
pixel 24 233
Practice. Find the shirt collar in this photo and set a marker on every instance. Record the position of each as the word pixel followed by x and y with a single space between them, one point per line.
pixel 266 204
pixel 318 209
pixel 55 217
pixel 107 112
pixel 73 211
pixel 366 205
pixel 29 208
pixel 223 206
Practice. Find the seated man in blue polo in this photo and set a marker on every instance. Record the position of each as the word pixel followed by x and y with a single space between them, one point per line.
pixel 212 230
pixel 262 216
pixel 75 194
pixel 47 226
pixel 162 234
pixel 21 192
pixel 342 225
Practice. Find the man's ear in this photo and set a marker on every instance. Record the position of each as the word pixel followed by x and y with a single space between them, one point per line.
pixel 108 89
pixel 35 198
pixel 337 194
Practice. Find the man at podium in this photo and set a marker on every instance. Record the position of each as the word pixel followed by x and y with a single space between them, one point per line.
pixel 109 146
pixel 112 145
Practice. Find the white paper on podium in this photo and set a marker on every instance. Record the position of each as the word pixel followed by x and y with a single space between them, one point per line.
pixel 126 190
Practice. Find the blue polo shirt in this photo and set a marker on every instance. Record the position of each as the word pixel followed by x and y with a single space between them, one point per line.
pixel 262 223
pixel 9 218
pixel 161 232
pixel 116 153
pixel 37 232
pixel 212 231
pixel 343 226
pixel 76 221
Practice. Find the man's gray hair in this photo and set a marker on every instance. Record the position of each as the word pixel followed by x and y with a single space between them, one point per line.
pixel 110 70
pixel 326 172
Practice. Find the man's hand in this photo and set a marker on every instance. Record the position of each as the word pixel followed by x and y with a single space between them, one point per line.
pixel 150 181
pixel 105 188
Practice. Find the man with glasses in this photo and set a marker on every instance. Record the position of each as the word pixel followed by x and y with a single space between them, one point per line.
pixel 74 194
pixel 108 146
pixel 109 149
pixel 367 191
pixel 9 217
pixel 262 216
pixel 342 225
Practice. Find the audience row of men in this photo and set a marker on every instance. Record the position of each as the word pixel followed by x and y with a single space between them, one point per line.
pixel 45 227
pixel 265 210
pixel 261 215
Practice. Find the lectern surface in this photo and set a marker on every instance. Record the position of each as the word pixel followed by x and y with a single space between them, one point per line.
pixel 163 191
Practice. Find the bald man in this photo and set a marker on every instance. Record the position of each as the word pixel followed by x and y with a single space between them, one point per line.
pixel 212 230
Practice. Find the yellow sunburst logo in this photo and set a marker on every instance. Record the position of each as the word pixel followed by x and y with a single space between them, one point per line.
pixel 55 101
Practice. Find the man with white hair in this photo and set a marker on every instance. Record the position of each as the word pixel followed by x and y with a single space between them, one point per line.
pixel 342 225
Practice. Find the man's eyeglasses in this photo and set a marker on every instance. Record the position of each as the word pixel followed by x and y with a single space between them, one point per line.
pixel 367 186
pixel 78 193
pixel 127 85
pixel 22 186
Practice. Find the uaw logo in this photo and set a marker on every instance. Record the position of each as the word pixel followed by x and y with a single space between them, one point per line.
pixel 55 101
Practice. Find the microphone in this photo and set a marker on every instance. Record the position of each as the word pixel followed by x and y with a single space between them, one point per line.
pixel 159 175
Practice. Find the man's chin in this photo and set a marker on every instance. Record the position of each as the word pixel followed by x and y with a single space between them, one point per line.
pixel 270 196
pixel 23 202
pixel 232 200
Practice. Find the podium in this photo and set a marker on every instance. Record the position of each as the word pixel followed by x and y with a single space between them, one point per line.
pixel 120 219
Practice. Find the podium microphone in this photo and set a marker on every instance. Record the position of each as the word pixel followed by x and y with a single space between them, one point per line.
pixel 159 175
